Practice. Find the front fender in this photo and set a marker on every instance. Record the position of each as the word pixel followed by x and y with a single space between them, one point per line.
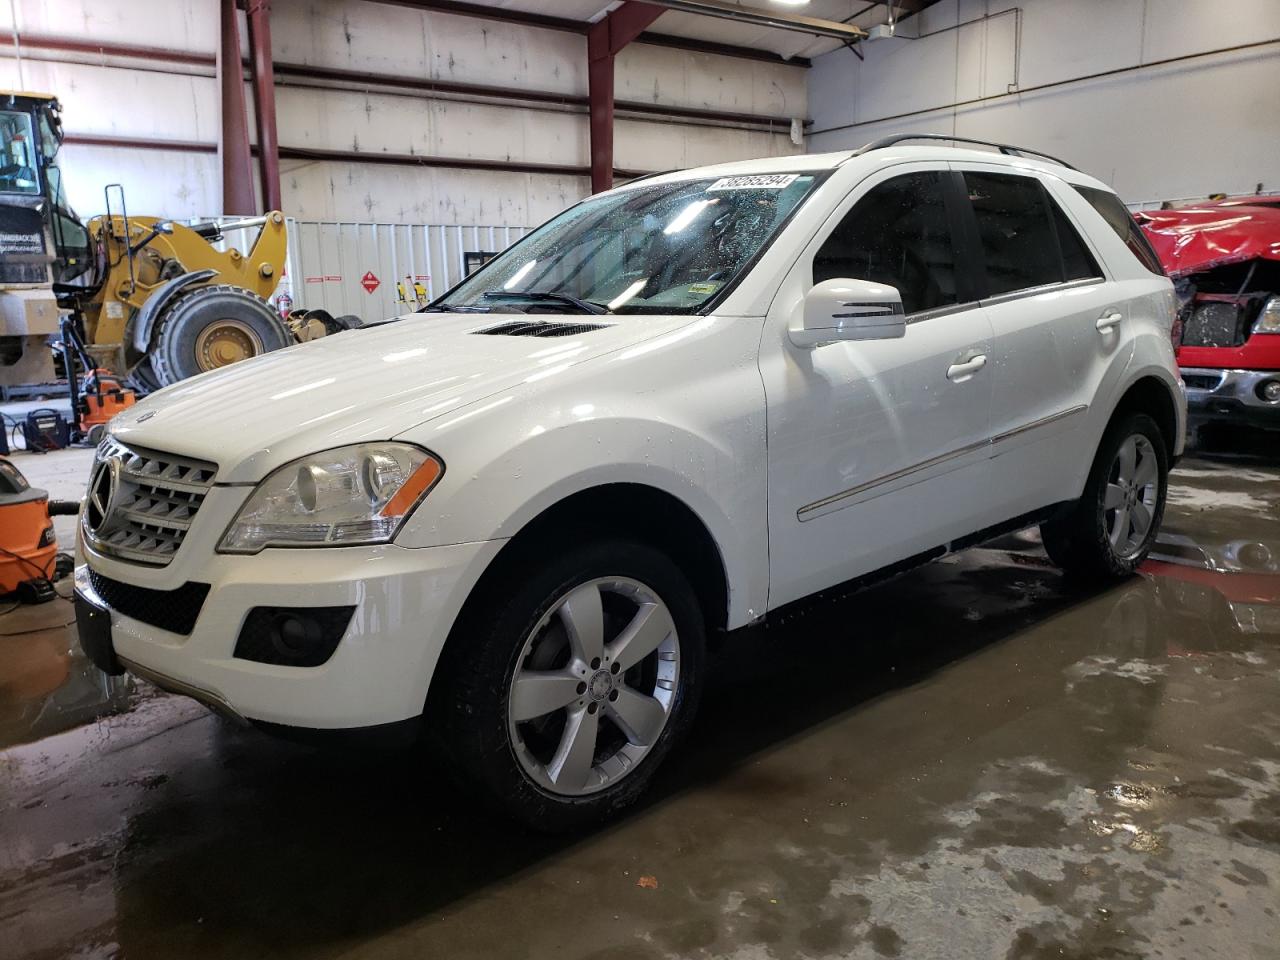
pixel 494 494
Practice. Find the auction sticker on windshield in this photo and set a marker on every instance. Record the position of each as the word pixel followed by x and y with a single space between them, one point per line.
pixel 760 181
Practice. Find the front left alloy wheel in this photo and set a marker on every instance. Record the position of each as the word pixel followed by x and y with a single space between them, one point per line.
pixel 564 698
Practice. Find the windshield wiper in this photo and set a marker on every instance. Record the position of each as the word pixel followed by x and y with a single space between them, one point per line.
pixel 586 306
pixel 450 308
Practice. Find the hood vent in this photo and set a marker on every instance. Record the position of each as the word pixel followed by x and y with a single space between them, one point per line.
pixel 540 328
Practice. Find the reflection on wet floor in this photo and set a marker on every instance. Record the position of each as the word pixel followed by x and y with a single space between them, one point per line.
pixel 970 761
pixel 46 684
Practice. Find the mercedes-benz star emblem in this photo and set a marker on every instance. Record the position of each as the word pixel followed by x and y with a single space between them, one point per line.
pixel 104 488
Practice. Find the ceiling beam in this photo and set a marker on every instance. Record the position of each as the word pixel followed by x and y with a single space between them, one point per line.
pixel 723 49
pixel 906 6
pixel 756 16
pixel 548 22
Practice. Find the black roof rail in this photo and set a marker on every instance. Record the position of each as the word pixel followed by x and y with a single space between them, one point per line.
pixel 1005 148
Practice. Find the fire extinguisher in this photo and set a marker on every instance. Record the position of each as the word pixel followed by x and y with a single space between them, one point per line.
pixel 284 305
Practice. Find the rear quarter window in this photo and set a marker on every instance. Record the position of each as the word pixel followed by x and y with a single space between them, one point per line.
pixel 1118 218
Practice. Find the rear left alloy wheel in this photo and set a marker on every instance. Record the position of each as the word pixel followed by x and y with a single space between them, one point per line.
pixel 572 692
pixel 1108 532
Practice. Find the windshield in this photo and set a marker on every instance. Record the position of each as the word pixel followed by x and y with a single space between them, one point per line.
pixel 18 164
pixel 663 248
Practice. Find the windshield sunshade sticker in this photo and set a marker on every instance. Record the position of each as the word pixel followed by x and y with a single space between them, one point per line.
pixel 760 181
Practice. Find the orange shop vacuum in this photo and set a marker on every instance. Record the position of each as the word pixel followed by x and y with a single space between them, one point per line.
pixel 29 561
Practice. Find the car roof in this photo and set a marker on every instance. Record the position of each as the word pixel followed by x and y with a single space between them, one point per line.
pixel 872 159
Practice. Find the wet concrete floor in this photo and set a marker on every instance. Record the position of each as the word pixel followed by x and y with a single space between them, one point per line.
pixel 971 761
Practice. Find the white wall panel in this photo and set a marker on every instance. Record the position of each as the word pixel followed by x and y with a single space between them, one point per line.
pixel 190 25
pixel 156 182
pixel 324 190
pixel 125 100
pixel 383 38
pixel 1174 28
pixel 681 78
pixel 1184 129
pixel 117 101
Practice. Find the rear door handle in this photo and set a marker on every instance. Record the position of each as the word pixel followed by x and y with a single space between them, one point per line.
pixel 960 371
pixel 1108 321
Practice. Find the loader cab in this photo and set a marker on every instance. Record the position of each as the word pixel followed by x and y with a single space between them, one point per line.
pixel 32 197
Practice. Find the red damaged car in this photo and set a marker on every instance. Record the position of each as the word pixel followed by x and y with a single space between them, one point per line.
pixel 1224 259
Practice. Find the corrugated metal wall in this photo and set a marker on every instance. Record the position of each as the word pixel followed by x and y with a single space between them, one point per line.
pixel 354 268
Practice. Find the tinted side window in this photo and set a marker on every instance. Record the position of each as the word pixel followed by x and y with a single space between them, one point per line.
pixel 1121 221
pixel 897 234
pixel 1077 261
pixel 1017 234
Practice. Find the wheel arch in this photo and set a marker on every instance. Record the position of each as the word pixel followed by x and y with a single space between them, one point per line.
pixel 1150 394
pixel 624 509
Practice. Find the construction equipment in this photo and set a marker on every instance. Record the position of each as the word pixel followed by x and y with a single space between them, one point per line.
pixel 153 300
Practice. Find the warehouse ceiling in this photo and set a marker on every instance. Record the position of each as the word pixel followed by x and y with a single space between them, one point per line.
pixel 721 30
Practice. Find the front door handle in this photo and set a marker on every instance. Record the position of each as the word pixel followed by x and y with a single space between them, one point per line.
pixel 962 371
pixel 1108 321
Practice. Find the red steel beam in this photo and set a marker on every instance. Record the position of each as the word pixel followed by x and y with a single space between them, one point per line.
pixel 346 156
pixel 237 161
pixel 73 45
pixel 604 39
pixel 364 79
pixel 258 14
pixel 544 21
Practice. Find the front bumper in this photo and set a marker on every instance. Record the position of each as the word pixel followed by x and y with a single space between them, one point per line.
pixel 405 600
pixel 1230 396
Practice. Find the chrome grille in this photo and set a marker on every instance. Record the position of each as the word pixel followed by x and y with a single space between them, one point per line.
pixel 142 503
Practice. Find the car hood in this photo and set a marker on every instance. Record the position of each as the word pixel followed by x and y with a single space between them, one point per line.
pixel 368 384
pixel 1193 239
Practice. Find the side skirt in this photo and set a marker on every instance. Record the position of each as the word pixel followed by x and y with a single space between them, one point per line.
pixel 840 591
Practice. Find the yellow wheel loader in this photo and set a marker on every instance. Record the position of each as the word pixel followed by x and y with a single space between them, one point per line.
pixel 170 304
pixel 152 300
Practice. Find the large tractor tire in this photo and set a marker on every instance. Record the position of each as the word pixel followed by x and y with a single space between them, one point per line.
pixel 142 378
pixel 212 327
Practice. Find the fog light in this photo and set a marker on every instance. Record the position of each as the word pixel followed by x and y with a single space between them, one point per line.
pixel 1269 390
pixel 292 636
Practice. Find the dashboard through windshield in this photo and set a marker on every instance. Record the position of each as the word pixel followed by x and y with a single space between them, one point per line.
pixel 663 248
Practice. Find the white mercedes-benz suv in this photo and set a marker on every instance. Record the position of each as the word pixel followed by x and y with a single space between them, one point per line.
pixel 514 517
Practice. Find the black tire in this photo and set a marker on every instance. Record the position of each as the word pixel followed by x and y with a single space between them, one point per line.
pixel 257 329
pixel 1078 538
pixel 142 378
pixel 490 643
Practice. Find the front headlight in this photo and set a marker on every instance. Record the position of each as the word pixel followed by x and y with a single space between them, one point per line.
pixel 1269 319
pixel 352 495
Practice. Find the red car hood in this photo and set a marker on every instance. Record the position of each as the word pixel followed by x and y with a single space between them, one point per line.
pixel 1192 239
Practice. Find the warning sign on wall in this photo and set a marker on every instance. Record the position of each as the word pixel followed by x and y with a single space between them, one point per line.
pixel 370 282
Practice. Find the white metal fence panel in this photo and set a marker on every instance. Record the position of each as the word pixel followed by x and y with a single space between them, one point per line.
pixel 380 270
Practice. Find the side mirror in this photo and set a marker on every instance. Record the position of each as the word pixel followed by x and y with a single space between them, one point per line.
pixel 850 310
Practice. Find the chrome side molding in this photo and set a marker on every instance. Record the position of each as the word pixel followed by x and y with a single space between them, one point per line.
pixel 806 512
